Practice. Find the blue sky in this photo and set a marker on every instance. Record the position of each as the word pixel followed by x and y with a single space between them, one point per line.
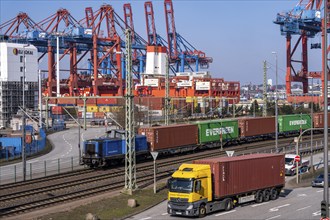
pixel 238 35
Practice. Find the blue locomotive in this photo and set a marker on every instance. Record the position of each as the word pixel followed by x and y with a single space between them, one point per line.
pixel 111 149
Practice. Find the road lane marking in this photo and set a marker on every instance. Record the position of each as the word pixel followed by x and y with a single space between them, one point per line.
pixel 145 218
pixel 304 208
pixel 317 213
pixel 273 217
pixel 275 209
pixel 224 213
pixel 301 195
pixel 264 203
pixel 33 161
pixel 319 191
pixel 165 213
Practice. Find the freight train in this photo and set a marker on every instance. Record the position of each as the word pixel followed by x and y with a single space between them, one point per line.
pixel 174 139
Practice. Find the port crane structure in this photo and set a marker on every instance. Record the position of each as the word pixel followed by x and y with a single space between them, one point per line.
pixel 304 21
pixel 93 50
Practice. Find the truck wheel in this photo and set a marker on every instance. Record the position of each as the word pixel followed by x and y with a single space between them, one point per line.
pixel 266 195
pixel 273 194
pixel 229 205
pixel 259 197
pixel 202 211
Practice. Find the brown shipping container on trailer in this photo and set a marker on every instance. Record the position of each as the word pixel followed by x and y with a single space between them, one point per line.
pixel 318 120
pixel 256 126
pixel 169 137
pixel 235 175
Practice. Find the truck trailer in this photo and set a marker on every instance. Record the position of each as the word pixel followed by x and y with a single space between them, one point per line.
pixel 221 183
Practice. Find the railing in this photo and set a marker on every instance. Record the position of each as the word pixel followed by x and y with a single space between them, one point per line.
pixel 36 168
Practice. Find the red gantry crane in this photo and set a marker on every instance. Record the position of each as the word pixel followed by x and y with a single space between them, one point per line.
pixel 181 53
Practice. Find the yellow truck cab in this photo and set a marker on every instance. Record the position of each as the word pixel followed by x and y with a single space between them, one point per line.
pixel 220 183
pixel 190 188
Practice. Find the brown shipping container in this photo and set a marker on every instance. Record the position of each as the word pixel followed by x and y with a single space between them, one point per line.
pixel 256 126
pixel 235 175
pixel 169 137
pixel 57 110
pixel 71 101
pixel 106 101
pixel 89 100
pixel 318 120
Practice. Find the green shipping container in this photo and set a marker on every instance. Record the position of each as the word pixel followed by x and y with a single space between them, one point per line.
pixel 213 131
pixel 287 123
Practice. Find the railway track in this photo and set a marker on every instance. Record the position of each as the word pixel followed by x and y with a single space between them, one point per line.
pixel 36 194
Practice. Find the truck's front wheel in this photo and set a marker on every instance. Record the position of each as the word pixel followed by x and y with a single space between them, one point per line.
pixel 202 211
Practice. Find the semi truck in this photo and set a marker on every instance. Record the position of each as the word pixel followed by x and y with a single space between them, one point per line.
pixel 221 183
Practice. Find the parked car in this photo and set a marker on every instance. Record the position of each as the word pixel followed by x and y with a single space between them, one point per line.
pixel 319 181
pixel 98 122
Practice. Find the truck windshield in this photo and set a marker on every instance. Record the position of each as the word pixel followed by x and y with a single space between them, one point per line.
pixel 288 161
pixel 180 185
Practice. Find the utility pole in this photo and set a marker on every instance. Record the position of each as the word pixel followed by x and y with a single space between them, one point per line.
pixel 130 163
pixel 167 93
pixel 264 108
pixel 40 99
pixel 23 116
pixel 325 201
pixel 276 110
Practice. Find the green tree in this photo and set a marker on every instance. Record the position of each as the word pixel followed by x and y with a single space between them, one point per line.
pixel 254 109
pixel 286 110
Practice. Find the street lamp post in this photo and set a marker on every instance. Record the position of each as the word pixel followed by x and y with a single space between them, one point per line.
pixel 312 106
pixel 276 110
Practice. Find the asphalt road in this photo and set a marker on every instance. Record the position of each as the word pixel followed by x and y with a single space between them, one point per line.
pixel 65 152
pixel 300 203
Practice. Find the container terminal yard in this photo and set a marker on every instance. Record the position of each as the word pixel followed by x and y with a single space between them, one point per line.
pixel 127 104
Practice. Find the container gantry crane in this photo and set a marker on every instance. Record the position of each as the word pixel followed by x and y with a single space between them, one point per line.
pixel 139 56
pixel 110 45
pixel 181 53
pixel 305 21
pixel 153 37
pixel 12 27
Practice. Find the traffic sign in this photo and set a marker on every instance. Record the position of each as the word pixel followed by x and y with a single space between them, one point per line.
pixel 154 154
pixel 230 153
pixel 297 158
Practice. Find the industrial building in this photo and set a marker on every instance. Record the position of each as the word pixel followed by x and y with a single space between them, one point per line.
pixel 17 60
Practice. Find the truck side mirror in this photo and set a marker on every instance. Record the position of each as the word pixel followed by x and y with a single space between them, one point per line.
pixel 198 186
pixel 168 183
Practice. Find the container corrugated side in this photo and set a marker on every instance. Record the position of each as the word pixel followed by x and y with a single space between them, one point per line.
pixel 213 131
pixel 242 174
pixel 256 126
pixel 170 137
pixel 318 119
pixel 287 123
